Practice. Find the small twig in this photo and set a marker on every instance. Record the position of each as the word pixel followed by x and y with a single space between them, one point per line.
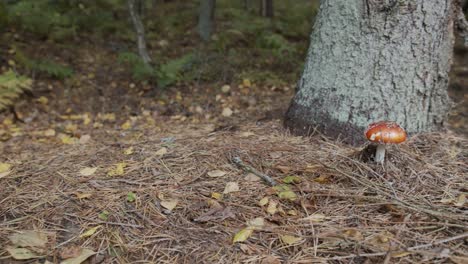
pixel 246 168
pixel 377 254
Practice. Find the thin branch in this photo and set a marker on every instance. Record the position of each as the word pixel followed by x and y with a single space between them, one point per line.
pixel 246 168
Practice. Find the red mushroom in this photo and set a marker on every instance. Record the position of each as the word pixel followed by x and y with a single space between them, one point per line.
pixel 384 133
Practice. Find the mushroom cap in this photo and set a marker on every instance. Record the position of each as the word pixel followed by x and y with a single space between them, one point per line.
pixel 385 132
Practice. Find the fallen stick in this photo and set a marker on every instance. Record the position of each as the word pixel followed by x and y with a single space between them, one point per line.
pixel 246 168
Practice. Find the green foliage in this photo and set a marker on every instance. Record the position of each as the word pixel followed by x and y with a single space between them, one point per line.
pixel 47 67
pixel 166 74
pixel 274 42
pixel 139 70
pixel 11 86
pixel 173 70
pixel 62 19
pixel 3 16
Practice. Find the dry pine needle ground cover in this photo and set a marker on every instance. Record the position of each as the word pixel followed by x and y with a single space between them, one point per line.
pixel 176 196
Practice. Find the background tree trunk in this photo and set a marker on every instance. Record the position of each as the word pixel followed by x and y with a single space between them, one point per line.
pixel 206 19
pixel 375 60
pixel 140 31
pixel 266 8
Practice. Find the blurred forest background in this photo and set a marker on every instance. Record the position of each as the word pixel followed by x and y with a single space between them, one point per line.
pixel 86 52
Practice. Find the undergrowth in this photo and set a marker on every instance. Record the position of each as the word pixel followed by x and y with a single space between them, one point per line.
pixel 11 87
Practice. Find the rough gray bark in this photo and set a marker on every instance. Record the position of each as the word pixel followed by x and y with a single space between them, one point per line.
pixel 373 60
pixel 266 8
pixel 206 19
pixel 140 31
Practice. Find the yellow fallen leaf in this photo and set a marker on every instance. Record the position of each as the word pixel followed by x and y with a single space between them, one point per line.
pixel 83 195
pixel 90 232
pixel 460 202
pixel 292 212
pixel 127 125
pixel 263 201
pixel 292 179
pixel 246 83
pixel 107 117
pixel 322 179
pixel 216 173
pixel 66 139
pixel 217 196
pixel 86 119
pixel 169 204
pixel 97 125
pixel 71 128
pixel 4 167
pixel 43 100
pixel 287 195
pixel 290 240
pixel 231 187
pixel 161 152
pixel 272 207
pixel 49 132
pixel 88 171
pixel 247 134
pixel 128 151
pixel 118 170
pixel 243 235
pixel 353 234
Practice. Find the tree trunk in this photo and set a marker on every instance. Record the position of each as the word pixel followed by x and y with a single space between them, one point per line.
pixel 373 60
pixel 140 31
pixel 266 8
pixel 206 19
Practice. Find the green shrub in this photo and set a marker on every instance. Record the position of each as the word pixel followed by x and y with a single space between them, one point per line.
pixel 11 86
pixel 166 74
pixel 42 66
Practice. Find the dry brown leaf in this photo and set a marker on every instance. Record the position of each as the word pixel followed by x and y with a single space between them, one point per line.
pixel 231 187
pixel 227 112
pixel 84 254
pixel 250 177
pixel 84 139
pixel 216 173
pixel 161 152
pixel 290 240
pixel 88 171
pixel 169 204
pixel 283 169
pixel 29 238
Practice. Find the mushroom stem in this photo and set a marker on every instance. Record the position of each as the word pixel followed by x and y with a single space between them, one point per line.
pixel 380 153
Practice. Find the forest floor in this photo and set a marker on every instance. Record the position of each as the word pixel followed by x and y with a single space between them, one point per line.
pixel 101 167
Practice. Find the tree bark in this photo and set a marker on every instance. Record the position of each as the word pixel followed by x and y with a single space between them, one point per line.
pixel 373 60
pixel 140 31
pixel 266 8
pixel 206 19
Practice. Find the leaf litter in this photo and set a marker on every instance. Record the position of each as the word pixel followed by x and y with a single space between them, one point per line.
pixel 417 199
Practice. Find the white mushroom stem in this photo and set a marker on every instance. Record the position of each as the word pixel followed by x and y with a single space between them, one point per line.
pixel 380 153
